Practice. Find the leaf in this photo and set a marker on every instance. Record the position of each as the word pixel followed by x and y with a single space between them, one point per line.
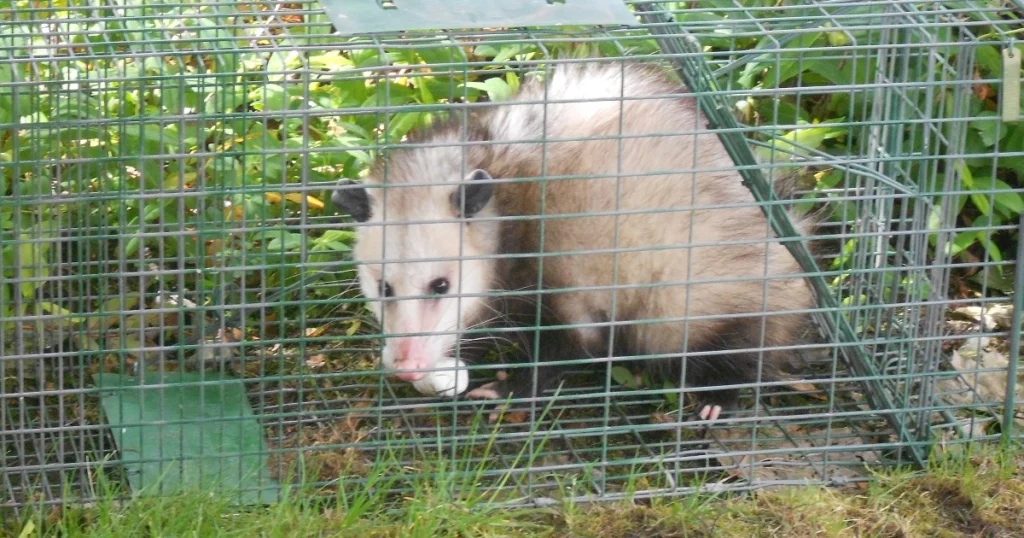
pixel 507 52
pixel 389 94
pixel 778 72
pixel 338 235
pixel 295 198
pixel 441 54
pixel 276 66
pixel 287 242
pixel 32 258
pixel 781 112
pixel 401 124
pixel 981 202
pixel 112 307
pixel 993 277
pixel 131 248
pixel 336 246
pixel 986 125
pixel 152 212
pixel 989 59
pixel 271 97
pixel 497 89
pixel 150 133
pixel 485 51
pixel 961 241
pixel 1003 194
pixel 671 394
pixel 355 129
pixel 837 39
pixel 516 417
pixel 6 302
pixel 623 376
pixel 426 97
pixel 60 311
pixel 802 386
pixel 330 61
pixel 799 141
pixel 312 201
pixel 513 82
pixel 28 530
pixel 993 250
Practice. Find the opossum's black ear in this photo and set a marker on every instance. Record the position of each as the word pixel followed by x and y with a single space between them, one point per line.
pixel 352 199
pixel 473 196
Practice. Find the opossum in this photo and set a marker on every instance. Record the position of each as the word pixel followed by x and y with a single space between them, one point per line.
pixel 647 231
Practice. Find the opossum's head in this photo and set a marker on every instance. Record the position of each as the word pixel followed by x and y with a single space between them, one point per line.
pixel 418 251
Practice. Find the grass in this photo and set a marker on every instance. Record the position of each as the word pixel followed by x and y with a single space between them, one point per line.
pixel 972 493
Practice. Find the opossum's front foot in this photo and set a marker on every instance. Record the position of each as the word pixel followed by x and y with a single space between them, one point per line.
pixel 712 406
pixel 710 412
pixel 495 390
pixel 505 388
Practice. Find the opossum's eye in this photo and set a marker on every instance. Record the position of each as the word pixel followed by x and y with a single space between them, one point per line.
pixel 439 286
pixel 385 289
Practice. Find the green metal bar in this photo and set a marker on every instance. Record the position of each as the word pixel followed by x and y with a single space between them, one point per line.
pixel 1013 368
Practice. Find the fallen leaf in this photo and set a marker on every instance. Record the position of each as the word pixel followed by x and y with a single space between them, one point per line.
pixel 214 246
pixel 516 417
pixel 982 91
pixel 661 418
pixel 229 335
pixel 296 197
pixel 316 361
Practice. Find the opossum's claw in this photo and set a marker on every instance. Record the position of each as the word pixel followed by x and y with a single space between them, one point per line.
pixel 710 412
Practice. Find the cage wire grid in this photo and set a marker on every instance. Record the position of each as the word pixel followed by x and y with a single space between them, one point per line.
pixel 167 180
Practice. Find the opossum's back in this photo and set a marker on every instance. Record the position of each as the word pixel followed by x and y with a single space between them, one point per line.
pixel 678 187
pixel 652 158
pixel 603 121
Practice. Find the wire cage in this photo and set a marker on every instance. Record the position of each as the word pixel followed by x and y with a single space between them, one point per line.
pixel 179 300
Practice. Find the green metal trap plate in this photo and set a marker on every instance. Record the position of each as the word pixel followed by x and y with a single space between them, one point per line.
pixel 369 16
pixel 188 436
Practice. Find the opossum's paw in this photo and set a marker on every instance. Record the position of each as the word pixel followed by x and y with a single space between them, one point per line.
pixel 509 387
pixel 714 407
pixel 501 391
pixel 495 390
pixel 710 412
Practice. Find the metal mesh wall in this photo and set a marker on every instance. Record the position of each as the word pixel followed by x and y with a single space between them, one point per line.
pixel 166 176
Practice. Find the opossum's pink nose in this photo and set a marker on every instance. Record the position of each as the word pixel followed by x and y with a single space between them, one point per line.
pixel 410 356
pixel 410 376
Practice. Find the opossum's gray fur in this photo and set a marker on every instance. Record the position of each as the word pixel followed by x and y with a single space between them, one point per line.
pixel 644 158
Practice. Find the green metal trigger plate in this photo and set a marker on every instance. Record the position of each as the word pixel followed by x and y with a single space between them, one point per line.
pixel 186 431
pixel 373 16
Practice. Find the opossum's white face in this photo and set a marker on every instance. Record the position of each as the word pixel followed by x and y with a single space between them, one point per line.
pixel 423 277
